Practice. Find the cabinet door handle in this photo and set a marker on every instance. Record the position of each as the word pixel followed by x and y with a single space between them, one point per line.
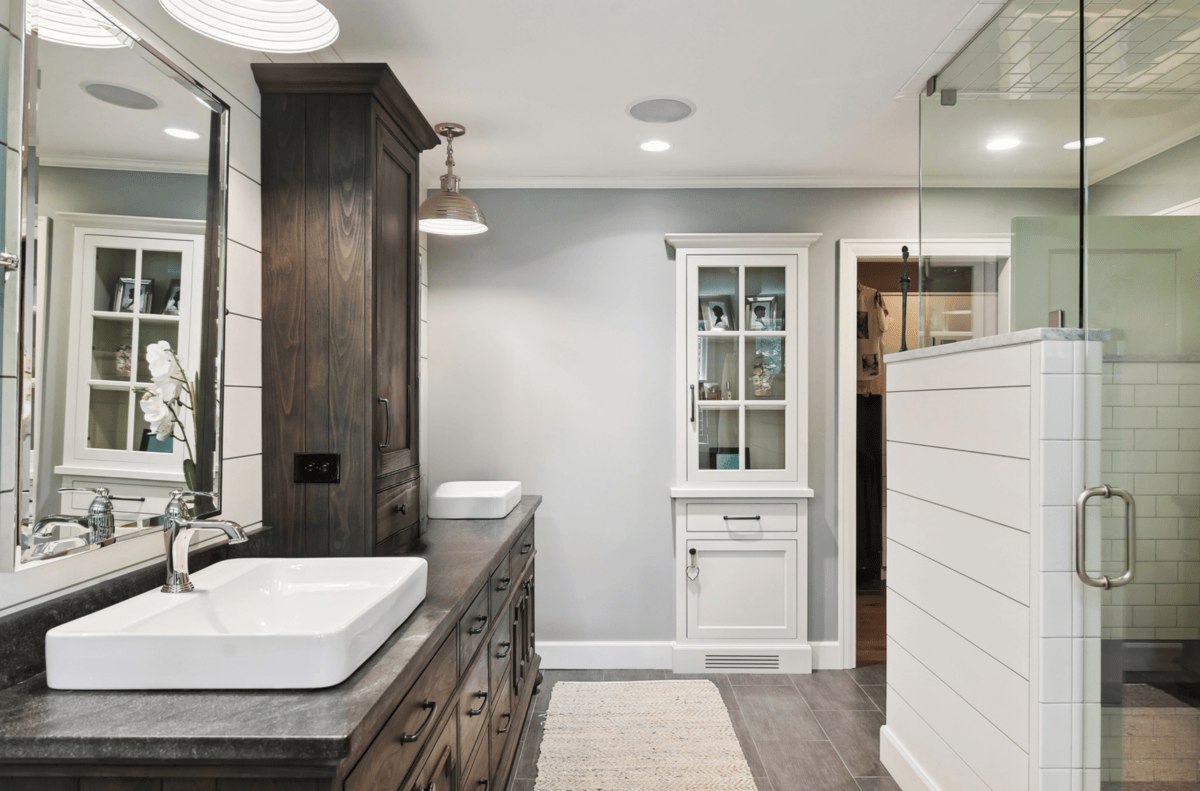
pixel 693 403
pixel 504 584
pixel 482 621
pixel 507 646
pixel 402 508
pixel 507 717
pixel 387 423
pixel 526 548
pixel 483 783
pixel 755 518
pixel 409 738
pixel 476 712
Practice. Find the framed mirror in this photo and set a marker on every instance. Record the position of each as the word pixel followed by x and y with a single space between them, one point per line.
pixel 119 299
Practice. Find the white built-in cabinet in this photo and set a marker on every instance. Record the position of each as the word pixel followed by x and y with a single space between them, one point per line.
pixel 741 474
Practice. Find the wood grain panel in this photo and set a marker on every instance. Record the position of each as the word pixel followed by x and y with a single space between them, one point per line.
pixel 350 504
pixel 318 389
pixel 283 299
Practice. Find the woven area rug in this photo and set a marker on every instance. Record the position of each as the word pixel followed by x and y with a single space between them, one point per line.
pixel 640 736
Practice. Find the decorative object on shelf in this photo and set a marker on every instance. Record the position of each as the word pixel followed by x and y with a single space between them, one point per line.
pixel 124 361
pixel 761 314
pixel 164 406
pixel 719 313
pixel 449 212
pixel 726 458
pixel 129 289
pixel 710 391
pixel 171 306
pixel 761 379
pixel 262 26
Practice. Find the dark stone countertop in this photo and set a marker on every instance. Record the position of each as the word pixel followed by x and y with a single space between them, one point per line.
pixel 320 726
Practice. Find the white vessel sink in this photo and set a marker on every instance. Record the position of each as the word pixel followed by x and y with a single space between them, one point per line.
pixel 251 623
pixel 474 499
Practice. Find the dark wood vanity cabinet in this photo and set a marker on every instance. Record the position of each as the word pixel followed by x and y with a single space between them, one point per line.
pixel 340 144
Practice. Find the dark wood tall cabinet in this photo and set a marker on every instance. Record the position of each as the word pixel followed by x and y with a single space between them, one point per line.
pixel 340 144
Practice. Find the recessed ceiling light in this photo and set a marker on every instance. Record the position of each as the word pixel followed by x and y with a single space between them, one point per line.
pixel 182 134
pixel 655 146
pixel 272 26
pixel 129 98
pixel 661 110
pixel 1089 142
pixel 1002 143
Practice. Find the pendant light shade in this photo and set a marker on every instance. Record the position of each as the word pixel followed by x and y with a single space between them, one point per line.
pixel 76 23
pixel 449 212
pixel 260 25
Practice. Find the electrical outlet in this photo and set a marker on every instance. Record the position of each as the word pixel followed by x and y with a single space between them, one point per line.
pixel 317 468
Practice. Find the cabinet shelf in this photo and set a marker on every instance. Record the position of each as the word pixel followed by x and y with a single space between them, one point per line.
pixel 164 318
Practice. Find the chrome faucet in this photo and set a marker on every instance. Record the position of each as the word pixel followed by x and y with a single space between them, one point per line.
pixel 55 535
pixel 99 520
pixel 179 525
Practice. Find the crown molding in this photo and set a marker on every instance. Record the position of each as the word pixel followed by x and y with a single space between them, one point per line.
pixel 137 165
pixel 756 241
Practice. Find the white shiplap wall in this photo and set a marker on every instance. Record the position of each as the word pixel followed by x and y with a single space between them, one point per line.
pixel 226 72
pixel 986 622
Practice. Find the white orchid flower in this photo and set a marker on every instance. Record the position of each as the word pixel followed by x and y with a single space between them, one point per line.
pixel 164 370
pixel 158 415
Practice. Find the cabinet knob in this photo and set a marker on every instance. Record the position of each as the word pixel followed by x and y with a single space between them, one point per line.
pixel 402 508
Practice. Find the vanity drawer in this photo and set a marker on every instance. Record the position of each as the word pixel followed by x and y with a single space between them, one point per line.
pixel 472 627
pixel 473 712
pixel 478 774
pixel 503 716
pixel 521 553
pixel 397 508
pixel 500 651
pixel 395 749
pixel 744 517
pixel 439 771
pixel 501 583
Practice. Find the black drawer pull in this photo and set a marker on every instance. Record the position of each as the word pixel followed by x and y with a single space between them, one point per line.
pixel 526 548
pixel 742 518
pixel 504 584
pixel 431 707
pixel 507 717
pixel 482 621
pixel 402 508
pixel 507 646
pixel 476 712
pixel 483 783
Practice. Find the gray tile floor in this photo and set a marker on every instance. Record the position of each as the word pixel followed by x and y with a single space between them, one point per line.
pixel 799 733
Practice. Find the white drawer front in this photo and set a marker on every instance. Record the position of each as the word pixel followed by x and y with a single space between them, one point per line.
pixel 745 517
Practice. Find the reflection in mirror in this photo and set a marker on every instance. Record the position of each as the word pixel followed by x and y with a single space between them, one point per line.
pixel 124 200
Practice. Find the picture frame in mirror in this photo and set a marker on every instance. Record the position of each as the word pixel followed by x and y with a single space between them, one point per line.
pixel 130 289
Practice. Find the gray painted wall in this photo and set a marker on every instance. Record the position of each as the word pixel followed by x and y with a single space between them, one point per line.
pixel 1152 185
pixel 552 362
pixel 119 192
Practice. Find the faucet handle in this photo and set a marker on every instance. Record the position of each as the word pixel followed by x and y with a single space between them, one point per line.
pixel 177 494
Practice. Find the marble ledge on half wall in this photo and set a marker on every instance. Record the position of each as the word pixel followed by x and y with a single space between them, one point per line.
pixel 1009 339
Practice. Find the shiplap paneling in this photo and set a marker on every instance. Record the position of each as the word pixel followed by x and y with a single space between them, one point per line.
pixel 992 487
pixel 992 689
pixel 982 746
pixel 937 759
pixel 983 420
pixel 1006 366
pixel 995 555
pixel 990 620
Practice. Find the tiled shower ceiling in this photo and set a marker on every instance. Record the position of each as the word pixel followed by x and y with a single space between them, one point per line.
pixel 1031 50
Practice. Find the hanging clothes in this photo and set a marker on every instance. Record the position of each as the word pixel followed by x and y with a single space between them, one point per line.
pixel 869 482
pixel 872 323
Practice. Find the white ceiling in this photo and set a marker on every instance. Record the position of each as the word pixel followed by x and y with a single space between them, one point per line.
pixel 788 91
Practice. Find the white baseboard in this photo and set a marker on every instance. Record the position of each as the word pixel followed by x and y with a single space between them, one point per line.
pixel 904 769
pixel 644 654
pixel 605 655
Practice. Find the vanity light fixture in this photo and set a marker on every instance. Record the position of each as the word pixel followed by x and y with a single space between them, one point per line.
pixel 75 23
pixel 449 212
pixel 1003 143
pixel 260 25
pixel 182 134
pixel 1089 142
pixel 656 146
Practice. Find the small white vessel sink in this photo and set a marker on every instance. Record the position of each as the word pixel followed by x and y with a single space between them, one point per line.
pixel 474 499
pixel 252 623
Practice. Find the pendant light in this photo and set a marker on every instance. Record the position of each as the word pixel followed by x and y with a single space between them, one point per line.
pixel 449 212
pixel 259 25
pixel 76 23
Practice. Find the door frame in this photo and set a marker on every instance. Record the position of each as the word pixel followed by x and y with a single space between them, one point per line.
pixel 849 252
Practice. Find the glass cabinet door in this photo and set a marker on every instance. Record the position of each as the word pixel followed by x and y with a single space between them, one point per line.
pixel 743 416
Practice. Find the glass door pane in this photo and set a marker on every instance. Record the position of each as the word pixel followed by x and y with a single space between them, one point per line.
pixel 720 438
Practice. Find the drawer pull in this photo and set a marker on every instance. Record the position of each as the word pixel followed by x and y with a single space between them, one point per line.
pixel 483 783
pixel 507 717
pixel 504 584
pixel 482 621
pixel 444 762
pixel 755 518
pixel 402 508
pixel 431 707
pixel 526 548
pixel 476 712
pixel 507 646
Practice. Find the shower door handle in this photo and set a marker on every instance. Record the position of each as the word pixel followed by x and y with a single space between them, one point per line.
pixel 1107 492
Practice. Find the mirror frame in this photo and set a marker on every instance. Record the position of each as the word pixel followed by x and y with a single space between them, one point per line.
pixel 208 437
